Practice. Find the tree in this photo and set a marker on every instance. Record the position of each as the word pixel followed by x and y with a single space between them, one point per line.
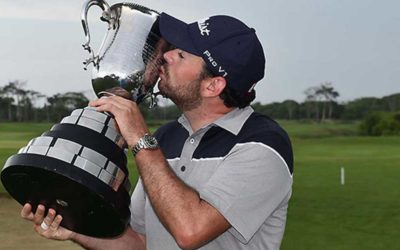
pixel 292 108
pixel 34 108
pixel 311 101
pixel 393 102
pixel 329 95
pixel 6 108
pixel 14 93
pixel 61 105
pixel 359 108
pixel 323 95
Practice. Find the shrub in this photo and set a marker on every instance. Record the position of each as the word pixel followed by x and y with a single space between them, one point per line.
pixel 380 123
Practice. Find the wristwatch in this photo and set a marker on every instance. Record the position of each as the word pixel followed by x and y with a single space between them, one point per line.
pixel 146 142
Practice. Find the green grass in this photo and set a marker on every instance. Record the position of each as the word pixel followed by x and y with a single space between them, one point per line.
pixel 363 213
pixel 309 129
pixel 14 136
pixel 323 214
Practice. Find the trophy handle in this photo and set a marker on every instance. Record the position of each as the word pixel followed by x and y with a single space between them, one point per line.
pixel 106 17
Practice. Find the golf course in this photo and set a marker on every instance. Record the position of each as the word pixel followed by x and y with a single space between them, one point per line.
pixel 346 191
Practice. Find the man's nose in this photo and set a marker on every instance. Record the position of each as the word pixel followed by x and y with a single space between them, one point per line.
pixel 169 55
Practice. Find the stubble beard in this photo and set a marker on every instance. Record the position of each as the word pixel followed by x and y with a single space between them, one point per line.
pixel 187 97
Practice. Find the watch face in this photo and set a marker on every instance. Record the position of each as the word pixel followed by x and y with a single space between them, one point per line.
pixel 146 142
pixel 150 141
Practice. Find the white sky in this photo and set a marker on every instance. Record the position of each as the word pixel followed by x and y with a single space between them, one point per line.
pixel 355 44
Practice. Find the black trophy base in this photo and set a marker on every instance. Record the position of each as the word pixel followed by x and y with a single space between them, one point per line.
pixel 87 205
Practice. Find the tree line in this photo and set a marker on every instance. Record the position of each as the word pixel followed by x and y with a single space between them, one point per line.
pixel 18 104
pixel 321 104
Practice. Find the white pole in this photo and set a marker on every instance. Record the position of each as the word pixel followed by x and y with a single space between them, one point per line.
pixel 342 175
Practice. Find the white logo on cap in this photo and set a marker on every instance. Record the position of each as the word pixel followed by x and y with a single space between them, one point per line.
pixel 203 25
pixel 215 64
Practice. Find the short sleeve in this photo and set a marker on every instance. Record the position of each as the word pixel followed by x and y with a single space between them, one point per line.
pixel 138 201
pixel 248 186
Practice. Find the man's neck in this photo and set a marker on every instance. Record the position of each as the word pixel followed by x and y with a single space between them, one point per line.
pixel 202 116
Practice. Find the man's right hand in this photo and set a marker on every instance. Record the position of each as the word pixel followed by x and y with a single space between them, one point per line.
pixel 48 225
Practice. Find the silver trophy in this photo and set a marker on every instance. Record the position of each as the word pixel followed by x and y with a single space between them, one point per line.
pixel 79 167
pixel 131 54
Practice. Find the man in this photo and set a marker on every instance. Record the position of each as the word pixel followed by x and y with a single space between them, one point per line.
pixel 221 176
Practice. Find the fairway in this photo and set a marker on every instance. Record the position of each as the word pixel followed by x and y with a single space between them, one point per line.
pixel 363 213
pixel 323 214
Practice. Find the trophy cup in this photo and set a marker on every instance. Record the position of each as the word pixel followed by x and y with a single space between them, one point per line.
pixel 79 167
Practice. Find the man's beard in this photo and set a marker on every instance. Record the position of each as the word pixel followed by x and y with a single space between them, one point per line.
pixel 186 97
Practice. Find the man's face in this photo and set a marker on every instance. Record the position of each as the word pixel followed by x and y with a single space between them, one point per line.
pixel 181 79
pixel 154 63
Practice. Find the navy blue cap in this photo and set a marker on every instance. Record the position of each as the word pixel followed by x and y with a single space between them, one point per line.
pixel 229 47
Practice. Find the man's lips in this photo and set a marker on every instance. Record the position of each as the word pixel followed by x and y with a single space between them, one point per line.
pixel 162 71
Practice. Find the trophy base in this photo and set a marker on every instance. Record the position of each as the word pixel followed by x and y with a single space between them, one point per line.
pixel 87 205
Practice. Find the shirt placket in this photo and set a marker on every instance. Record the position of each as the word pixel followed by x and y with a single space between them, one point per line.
pixel 186 164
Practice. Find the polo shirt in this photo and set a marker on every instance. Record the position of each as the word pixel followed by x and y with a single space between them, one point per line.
pixel 241 164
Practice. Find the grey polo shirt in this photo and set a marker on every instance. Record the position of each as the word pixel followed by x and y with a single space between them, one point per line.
pixel 241 164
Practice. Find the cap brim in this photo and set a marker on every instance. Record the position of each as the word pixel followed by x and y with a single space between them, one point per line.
pixel 177 33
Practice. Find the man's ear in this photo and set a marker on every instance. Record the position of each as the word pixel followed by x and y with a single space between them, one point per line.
pixel 215 85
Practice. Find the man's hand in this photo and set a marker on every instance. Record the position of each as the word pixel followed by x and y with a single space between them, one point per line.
pixel 49 226
pixel 127 115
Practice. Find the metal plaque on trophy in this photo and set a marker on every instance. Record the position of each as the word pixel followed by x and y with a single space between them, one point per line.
pixel 79 167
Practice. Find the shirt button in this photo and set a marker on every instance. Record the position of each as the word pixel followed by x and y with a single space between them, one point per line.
pixel 183 168
pixel 192 140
